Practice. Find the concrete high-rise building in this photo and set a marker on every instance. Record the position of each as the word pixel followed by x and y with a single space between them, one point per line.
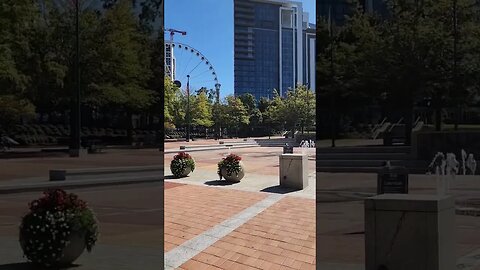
pixel 274 47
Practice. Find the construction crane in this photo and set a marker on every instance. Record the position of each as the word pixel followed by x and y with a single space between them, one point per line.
pixel 173 31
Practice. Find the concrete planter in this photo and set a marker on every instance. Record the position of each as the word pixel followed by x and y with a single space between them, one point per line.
pixel 70 253
pixel 74 249
pixel 186 172
pixel 234 177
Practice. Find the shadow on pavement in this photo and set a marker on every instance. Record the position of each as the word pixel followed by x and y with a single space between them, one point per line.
pixel 278 189
pixel 31 266
pixel 219 183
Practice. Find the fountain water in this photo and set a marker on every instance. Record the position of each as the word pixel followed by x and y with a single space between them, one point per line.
pixel 471 164
pixel 446 168
pixel 304 144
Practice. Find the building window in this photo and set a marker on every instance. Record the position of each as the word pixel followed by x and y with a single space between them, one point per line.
pixel 287 20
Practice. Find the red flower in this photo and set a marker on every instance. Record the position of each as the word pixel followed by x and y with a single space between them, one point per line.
pixel 57 200
pixel 232 158
pixel 182 155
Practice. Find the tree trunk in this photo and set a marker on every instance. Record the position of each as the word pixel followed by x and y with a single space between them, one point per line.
pixel 438 119
pixel 458 117
pixel 130 127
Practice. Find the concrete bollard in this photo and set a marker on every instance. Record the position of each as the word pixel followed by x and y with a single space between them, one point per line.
pixel 294 171
pixel 58 175
pixel 415 232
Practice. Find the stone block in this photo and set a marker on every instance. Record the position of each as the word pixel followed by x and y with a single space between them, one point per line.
pixel 405 231
pixel 294 171
pixel 58 175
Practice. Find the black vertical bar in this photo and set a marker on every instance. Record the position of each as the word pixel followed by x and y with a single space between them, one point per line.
pixel 75 122
pixel 188 108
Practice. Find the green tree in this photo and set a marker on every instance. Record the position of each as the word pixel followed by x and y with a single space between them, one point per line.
pixel 12 110
pixel 201 111
pixel 124 65
pixel 18 21
pixel 248 101
pixel 298 108
pixel 272 116
pixel 171 101
pixel 234 114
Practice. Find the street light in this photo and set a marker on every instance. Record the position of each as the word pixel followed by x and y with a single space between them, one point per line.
pixel 188 108
pixel 332 70
pixel 217 102
pixel 75 115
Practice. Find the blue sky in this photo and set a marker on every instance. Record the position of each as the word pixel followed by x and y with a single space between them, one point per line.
pixel 209 27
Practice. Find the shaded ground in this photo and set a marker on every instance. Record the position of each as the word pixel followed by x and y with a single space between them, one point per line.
pixel 131 222
pixel 35 167
pixel 340 215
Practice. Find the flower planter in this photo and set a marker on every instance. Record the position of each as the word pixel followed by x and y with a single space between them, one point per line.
pixel 70 252
pixel 182 165
pixel 57 229
pixel 186 172
pixel 74 249
pixel 234 177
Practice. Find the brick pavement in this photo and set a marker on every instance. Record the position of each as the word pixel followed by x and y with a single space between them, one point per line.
pixel 280 237
pixel 191 210
pixel 257 160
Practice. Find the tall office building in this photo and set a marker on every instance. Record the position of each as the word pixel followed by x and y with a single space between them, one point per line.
pixel 274 47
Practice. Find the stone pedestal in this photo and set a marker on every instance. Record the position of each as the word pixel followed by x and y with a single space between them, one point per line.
pixel 414 232
pixel 294 171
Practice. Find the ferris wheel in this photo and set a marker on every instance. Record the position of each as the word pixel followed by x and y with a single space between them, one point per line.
pixel 185 64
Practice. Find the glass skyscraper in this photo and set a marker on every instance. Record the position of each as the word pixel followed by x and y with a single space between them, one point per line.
pixel 274 47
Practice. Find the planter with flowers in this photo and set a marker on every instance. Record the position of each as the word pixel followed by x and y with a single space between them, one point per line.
pixel 231 168
pixel 182 165
pixel 57 229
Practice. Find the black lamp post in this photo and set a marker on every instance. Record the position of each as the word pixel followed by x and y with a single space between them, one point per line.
pixel 75 121
pixel 332 70
pixel 188 108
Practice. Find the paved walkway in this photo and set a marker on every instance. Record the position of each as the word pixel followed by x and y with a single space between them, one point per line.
pixel 212 228
pixel 21 168
pixel 340 218
pixel 261 166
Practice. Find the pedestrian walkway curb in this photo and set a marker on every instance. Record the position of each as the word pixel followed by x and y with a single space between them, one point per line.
pixel 170 151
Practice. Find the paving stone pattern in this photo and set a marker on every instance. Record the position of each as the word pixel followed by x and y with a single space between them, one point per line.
pixel 280 237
